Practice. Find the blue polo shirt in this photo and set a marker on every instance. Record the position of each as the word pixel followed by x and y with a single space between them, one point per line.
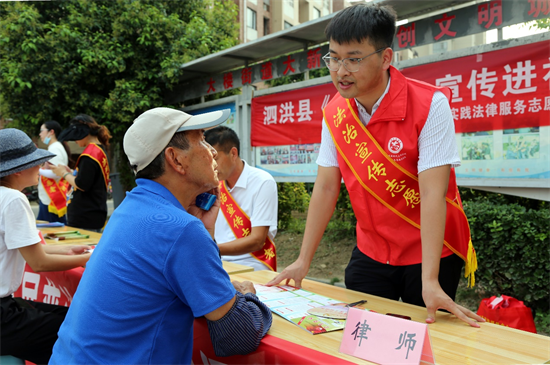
pixel 154 270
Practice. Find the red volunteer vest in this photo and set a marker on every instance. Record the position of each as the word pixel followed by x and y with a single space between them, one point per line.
pixel 388 228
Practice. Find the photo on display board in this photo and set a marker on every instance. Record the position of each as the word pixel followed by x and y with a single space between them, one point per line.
pixel 521 144
pixel 477 146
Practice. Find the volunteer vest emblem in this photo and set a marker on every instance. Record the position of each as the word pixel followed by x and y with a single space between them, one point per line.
pixel 395 145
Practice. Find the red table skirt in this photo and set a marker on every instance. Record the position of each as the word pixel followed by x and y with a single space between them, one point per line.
pixel 272 350
pixel 58 287
pixel 53 287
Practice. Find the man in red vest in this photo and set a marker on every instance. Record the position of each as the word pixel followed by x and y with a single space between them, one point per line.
pixel 392 140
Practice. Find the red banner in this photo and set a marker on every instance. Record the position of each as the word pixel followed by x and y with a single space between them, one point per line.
pixel 52 287
pixel 272 350
pixel 292 117
pixel 504 89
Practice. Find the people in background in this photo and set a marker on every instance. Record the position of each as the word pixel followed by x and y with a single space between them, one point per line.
pixel 157 267
pixel 252 196
pixel 28 330
pixel 52 190
pixel 87 207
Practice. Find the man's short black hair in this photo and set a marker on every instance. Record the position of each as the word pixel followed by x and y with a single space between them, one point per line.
pixel 224 137
pixel 157 167
pixel 361 22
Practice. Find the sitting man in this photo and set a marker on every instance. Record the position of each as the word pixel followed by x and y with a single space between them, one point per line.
pixel 157 266
pixel 249 194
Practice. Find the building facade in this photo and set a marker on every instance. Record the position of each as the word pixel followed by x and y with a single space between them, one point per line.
pixel 258 18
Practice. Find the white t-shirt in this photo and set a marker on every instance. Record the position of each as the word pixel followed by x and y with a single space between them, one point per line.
pixel 17 229
pixel 256 193
pixel 436 142
pixel 60 158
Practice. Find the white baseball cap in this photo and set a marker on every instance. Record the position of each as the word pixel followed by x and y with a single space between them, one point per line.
pixel 151 132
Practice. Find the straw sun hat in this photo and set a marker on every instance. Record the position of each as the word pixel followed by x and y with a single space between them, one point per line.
pixel 18 152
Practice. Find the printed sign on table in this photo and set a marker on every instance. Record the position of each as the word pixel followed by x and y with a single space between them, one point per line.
pixel 386 340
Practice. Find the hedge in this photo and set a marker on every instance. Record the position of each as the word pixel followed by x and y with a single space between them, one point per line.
pixel 511 243
pixel 510 235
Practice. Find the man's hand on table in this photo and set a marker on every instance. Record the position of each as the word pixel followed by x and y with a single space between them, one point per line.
pixel 296 271
pixel 244 287
pixel 435 298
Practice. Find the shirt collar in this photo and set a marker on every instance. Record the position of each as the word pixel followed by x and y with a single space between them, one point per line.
pixel 362 109
pixel 241 181
pixel 159 189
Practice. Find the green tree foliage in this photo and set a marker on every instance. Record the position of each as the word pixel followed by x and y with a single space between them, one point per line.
pixel 109 59
pixel 292 197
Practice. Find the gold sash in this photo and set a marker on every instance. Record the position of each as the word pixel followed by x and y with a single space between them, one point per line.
pixel 240 225
pixel 57 191
pixel 392 185
pixel 96 153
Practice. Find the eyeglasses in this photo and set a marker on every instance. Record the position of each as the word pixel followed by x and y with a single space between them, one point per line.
pixel 44 130
pixel 351 64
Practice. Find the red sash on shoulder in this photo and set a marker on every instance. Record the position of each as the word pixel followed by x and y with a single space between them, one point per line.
pixel 240 225
pixel 96 153
pixel 392 185
pixel 57 191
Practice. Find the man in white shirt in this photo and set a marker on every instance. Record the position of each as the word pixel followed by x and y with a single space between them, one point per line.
pixel 255 192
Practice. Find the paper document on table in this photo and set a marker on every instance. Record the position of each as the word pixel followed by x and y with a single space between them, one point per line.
pixel 293 304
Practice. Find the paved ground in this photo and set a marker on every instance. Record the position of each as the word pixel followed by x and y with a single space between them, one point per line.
pixel 110 207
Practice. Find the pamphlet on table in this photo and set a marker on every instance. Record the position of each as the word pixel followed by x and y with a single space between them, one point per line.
pixel 293 304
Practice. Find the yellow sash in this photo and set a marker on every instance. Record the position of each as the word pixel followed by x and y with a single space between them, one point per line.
pixel 57 191
pixel 240 225
pixel 392 185
pixel 96 153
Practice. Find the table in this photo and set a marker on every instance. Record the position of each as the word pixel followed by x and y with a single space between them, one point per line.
pixel 58 287
pixel 55 287
pixel 92 240
pixel 453 341
pixel 233 268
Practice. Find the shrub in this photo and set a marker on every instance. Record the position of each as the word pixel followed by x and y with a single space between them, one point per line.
pixel 292 197
pixel 343 220
pixel 511 242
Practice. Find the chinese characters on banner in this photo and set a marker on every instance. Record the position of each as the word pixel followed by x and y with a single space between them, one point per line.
pixel 292 117
pixel 469 20
pixel 287 126
pixel 287 65
pixel 504 89
pixel 54 287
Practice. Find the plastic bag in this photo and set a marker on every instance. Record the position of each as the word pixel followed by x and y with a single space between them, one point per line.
pixel 507 311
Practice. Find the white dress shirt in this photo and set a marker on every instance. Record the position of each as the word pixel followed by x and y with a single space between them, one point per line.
pixel 436 143
pixel 256 193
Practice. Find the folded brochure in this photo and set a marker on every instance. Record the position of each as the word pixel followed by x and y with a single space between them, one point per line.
pixel 293 304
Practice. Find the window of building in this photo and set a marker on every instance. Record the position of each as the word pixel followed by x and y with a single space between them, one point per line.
pixel 287 25
pixel 266 26
pixel 316 13
pixel 251 19
pixel 326 5
pixel 266 5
